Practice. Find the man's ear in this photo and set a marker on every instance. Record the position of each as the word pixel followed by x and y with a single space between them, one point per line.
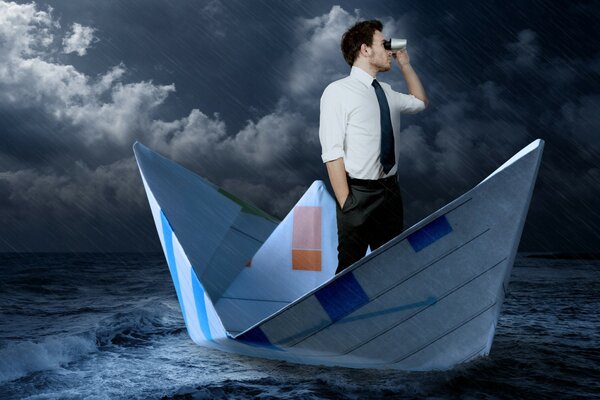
pixel 365 50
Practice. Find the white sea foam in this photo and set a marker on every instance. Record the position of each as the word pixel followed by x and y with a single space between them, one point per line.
pixel 23 357
pixel 20 359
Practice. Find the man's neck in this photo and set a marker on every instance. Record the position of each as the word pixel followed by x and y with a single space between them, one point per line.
pixel 365 66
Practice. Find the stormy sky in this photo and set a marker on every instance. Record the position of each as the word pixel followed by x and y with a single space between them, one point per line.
pixel 231 90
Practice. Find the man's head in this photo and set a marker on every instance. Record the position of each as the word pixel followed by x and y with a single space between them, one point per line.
pixel 363 43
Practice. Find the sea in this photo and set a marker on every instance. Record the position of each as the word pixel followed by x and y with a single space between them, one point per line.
pixel 108 326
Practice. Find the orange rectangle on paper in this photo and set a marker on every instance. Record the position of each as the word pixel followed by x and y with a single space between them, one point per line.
pixel 307 260
pixel 306 233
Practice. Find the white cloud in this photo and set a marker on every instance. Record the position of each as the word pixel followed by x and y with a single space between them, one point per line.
pixel 108 112
pixel 268 145
pixel 127 115
pixel 24 31
pixel 318 59
pixel 78 40
pixel 195 137
pixel 29 78
pixel 270 140
pixel 107 109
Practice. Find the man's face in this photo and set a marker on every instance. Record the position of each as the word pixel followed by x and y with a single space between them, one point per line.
pixel 380 57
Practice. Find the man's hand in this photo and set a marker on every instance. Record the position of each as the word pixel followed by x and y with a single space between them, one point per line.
pixel 339 182
pixel 410 76
pixel 402 57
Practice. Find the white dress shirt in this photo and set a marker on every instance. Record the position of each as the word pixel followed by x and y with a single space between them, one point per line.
pixel 350 126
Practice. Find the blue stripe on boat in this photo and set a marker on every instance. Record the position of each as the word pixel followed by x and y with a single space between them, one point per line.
pixel 167 234
pixel 200 305
pixel 342 296
pixel 430 233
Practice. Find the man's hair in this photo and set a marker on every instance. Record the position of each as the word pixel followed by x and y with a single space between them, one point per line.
pixel 361 32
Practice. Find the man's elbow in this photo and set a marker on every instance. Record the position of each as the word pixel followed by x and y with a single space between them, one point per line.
pixel 333 154
pixel 425 100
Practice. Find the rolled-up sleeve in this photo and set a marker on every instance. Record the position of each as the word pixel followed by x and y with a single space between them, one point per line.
pixel 409 104
pixel 332 126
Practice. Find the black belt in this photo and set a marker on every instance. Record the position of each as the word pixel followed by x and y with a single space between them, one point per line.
pixel 371 183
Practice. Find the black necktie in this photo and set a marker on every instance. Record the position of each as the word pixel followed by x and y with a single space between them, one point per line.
pixel 388 158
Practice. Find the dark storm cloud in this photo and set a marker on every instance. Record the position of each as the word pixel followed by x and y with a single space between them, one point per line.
pixel 99 117
pixel 231 90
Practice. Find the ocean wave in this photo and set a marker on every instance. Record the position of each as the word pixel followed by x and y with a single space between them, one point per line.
pixel 21 359
pixel 310 388
pixel 139 325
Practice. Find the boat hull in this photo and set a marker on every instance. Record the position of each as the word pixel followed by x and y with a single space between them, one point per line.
pixel 428 299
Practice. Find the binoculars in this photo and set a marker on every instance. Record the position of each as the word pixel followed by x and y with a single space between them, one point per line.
pixel 394 44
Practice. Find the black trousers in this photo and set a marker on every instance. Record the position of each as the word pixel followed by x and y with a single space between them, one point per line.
pixel 371 216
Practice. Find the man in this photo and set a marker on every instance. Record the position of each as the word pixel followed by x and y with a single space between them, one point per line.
pixel 359 119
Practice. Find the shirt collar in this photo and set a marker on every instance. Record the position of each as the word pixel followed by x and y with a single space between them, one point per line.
pixel 362 76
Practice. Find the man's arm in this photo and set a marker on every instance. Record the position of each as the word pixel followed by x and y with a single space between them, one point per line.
pixel 337 176
pixel 332 129
pixel 410 76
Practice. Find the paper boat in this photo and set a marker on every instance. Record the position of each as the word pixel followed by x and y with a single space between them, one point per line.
pixel 249 284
